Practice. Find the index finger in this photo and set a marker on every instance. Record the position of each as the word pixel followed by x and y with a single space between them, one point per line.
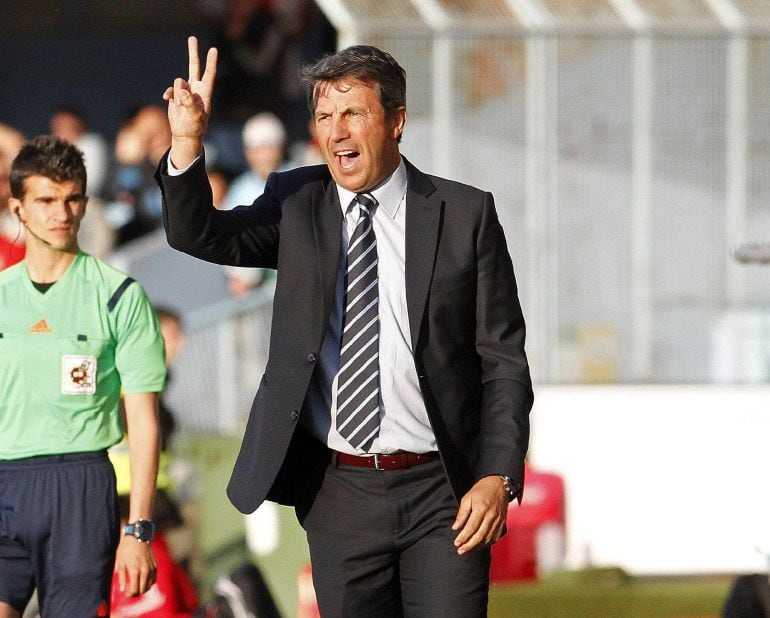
pixel 194 61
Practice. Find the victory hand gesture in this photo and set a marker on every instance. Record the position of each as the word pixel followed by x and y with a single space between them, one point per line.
pixel 189 106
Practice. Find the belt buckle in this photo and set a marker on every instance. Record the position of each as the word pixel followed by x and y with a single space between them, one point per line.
pixel 377 465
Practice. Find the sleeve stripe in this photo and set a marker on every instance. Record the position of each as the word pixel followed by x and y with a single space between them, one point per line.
pixel 118 293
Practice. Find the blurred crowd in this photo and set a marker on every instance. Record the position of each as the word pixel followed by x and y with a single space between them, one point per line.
pixel 261 124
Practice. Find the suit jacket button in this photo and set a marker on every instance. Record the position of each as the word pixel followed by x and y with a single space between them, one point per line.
pixel 311 358
pixel 294 415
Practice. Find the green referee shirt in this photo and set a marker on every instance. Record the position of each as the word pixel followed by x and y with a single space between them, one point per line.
pixel 66 354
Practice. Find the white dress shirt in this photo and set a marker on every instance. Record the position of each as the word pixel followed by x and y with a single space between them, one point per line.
pixel 404 423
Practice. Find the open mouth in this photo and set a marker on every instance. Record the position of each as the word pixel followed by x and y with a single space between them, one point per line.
pixel 346 158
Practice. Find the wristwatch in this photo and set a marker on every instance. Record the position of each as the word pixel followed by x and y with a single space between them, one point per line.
pixel 143 530
pixel 511 488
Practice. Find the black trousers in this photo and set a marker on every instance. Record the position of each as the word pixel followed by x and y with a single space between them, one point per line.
pixel 381 545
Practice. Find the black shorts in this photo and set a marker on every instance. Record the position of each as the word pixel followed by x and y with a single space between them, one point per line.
pixel 59 530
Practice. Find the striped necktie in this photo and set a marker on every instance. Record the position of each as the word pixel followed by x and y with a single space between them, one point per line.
pixel 358 381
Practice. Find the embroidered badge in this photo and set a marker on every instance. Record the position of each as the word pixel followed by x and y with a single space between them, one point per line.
pixel 78 375
pixel 41 326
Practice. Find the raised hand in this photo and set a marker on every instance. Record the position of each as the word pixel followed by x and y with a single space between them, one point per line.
pixel 189 106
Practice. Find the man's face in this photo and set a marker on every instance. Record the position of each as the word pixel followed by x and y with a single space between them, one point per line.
pixel 357 139
pixel 51 211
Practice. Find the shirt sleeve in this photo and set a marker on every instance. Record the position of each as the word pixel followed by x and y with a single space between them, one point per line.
pixel 139 351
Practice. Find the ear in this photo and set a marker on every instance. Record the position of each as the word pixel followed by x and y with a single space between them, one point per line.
pixel 399 120
pixel 14 205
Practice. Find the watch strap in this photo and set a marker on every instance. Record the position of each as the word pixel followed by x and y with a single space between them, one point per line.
pixel 143 530
pixel 512 488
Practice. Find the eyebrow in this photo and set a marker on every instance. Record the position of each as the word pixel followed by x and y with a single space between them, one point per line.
pixel 345 110
pixel 67 198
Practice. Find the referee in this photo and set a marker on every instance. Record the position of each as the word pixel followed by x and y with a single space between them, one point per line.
pixel 74 333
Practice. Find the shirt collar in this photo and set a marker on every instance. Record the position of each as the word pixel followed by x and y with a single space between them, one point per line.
pixel 388 193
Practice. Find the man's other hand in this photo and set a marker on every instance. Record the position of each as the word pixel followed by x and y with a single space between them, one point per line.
pixel 482 514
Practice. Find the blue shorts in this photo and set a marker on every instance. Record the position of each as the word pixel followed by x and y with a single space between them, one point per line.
pixel 59 529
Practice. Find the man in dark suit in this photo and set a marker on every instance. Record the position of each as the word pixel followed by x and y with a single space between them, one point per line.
pixel 394 409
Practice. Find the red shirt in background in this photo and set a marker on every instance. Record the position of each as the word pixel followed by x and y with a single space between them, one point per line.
pixel 10 253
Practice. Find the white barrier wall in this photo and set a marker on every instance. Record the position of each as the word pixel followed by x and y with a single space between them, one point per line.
pixel 660 479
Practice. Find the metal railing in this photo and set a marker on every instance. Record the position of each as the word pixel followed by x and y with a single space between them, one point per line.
pixel 218 372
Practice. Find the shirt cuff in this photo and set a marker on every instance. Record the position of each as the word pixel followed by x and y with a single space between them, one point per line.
pixel 173 171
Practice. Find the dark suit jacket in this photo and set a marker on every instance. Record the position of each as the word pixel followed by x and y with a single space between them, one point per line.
pixel 465 320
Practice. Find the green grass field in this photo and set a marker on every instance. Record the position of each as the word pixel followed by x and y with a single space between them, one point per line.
pixel 610 593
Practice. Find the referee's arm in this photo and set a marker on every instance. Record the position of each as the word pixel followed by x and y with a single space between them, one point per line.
pixel 135 562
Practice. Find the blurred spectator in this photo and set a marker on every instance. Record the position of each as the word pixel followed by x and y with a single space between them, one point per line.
pixel 11 230
pixel 11 251
pixel 262 44
pixel 264 146
pixel 240 281
pixel 307 152
pixel 312 37
pixel 251 39
pixel 135 209
pixel 70 124
pixel 151 124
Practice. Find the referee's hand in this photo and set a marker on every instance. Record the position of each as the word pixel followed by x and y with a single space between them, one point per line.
pixel 136 566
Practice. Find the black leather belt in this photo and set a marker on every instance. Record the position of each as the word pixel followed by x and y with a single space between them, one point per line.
pixel 381 461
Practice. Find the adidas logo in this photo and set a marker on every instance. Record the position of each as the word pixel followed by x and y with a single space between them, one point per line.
pixel 41 326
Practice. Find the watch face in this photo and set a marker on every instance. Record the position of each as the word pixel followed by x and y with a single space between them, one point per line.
pixel 146 530
pixel 143 530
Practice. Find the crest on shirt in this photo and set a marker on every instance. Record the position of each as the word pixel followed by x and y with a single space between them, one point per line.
pixel 78 375
pixel 41 326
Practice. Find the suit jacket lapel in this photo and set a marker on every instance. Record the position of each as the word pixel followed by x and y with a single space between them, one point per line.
pixel 327 227
pixel 423 216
